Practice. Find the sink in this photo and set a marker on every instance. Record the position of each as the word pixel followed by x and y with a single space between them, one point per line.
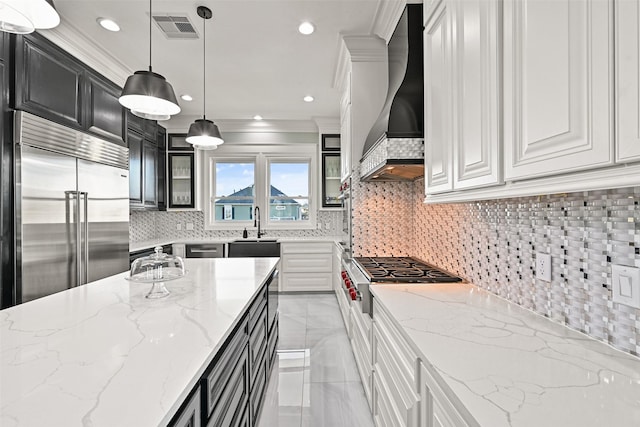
pixel 254 248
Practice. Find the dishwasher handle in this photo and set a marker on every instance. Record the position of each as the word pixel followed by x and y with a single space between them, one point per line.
pixel 204 250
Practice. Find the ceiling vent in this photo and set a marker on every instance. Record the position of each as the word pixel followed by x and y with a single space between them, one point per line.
pixel 175 26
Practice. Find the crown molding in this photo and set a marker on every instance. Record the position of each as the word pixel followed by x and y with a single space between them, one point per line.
pixel 69 38
pixel 387 18
pixel 180 124
pixel 354 48
pixel 327 124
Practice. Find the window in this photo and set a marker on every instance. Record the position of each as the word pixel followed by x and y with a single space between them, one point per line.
pixel 234 195
pixel 280 180
pixel 289 190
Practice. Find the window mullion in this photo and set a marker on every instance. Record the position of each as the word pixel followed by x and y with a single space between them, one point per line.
pixel 262 181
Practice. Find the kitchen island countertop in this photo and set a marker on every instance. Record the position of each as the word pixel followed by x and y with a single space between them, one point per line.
pixel 103 355
pixel 509 366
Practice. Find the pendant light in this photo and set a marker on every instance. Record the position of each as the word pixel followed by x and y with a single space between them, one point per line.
pixel 147 94
pixel 203 133
pixel 26 16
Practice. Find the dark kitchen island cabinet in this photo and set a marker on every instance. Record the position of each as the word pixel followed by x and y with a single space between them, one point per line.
pixel 189 359
pixel 55 85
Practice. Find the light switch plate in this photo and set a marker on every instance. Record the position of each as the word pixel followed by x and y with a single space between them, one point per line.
pixel 189 226
pixel 543 266
pixel 625 282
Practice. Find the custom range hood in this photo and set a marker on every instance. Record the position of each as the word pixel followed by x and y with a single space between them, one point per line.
pixel 394 149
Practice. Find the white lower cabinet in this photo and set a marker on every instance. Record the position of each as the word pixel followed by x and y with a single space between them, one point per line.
pixel 405 393
pixel 306 266
pixel 361 345
pixel 395 396
pixel 435 409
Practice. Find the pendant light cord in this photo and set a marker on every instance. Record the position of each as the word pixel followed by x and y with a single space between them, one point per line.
pixel 150 18
pixel 204 67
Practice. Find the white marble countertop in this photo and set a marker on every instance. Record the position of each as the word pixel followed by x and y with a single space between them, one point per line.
pixel 511 367
pixel 104 355
pixel 136 246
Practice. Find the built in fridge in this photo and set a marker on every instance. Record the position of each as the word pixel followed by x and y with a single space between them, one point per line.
pixel 72 208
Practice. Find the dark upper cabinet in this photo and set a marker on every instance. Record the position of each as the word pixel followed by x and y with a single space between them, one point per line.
pixel 178 142
pixel 105 115
pixel 48 81
pixel 53 84
pixel 147 128
pixel 4 46
pixel 150 162
pixel 181 180
pixel 147 174
pixel 162 169
pixel 135 123
pixel 135 169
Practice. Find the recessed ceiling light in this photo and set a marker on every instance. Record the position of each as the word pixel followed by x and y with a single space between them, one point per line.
pixel 108 24
pixel 186 97
pixel 257 117
pixel 306 28
pixel 308 98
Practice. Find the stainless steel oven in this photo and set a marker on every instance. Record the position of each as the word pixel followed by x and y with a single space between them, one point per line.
pixel 355 285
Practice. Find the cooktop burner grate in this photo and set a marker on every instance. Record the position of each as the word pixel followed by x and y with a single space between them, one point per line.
pixel 402 269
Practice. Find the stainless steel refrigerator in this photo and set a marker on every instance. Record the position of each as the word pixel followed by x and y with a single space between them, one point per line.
pixel 72 207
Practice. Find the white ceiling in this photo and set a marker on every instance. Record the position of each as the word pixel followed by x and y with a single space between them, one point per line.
pixel 257 62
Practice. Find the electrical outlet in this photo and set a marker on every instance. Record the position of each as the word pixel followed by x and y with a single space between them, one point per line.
pixel 179 226
pixel 189 226
pixel 327 226
pixel 543 266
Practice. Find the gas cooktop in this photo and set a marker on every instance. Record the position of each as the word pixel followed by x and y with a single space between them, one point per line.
pixel 402 269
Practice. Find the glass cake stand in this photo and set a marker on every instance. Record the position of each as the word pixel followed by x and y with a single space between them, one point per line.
pixel 157 269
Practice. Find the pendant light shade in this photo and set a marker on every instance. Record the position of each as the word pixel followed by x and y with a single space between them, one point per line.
pixel 203 133
pixel 26 16
pixel 147 94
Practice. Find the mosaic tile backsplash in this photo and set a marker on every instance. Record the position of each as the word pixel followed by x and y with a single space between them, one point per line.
pixel 153 225
pixel 493 245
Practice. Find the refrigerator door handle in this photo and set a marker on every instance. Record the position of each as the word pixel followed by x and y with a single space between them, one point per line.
pixel 85 245
pixel 78 241
pixel 71 219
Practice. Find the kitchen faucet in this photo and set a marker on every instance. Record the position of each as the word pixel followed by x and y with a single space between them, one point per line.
pixel 256 220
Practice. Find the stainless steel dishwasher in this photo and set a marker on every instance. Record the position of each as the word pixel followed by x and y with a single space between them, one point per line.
pixel 204 250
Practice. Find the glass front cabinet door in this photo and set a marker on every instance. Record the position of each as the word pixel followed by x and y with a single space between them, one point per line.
pixel 181 176
pixel 331 171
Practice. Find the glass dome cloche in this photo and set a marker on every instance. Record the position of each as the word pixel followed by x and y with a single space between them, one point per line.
pixel 157 268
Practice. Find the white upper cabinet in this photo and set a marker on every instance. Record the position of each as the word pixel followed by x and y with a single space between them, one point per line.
pixel 462 95
pixel 477 89
pixel 558 111
pixel 438 99
pixel 627 42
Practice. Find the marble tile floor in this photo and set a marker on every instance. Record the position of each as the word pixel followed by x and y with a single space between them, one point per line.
pixel 315 382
